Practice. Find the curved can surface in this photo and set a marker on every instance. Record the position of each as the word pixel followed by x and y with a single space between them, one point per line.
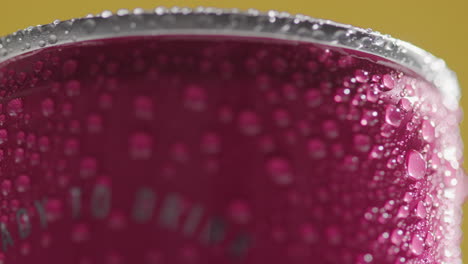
pixel 214 136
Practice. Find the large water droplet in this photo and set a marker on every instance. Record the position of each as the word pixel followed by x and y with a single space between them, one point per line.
pixel 405 104
pixel 387 130
pixel 397 236
pixel 403 212
pixel 416 165
pixel 420 210
pixel 430 239
pixel 53 39
pixel 393 115
pixel 361 76
pixel 377 152
pixel 388 81
pixel 372 95
pixel 417 245
pixel 428 131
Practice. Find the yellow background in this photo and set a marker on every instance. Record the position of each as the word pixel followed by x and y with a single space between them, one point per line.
pixel 440 27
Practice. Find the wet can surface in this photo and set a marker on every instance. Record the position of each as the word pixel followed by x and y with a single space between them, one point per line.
pixel 224 148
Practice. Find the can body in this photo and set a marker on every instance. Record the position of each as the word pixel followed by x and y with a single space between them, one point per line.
pixel 184 149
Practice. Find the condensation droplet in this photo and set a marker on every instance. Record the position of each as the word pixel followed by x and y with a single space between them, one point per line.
pixel 23 183
pixel 210 143
pixel 72 88
pixel 3 136
pixel 80 233
pixel 416 165
pixel 143 107
pixel 420 210
pixel 6 187
pixel 393 115
pixel 397 236
pixel 316 148
pixel 179 152
pixel 428 131
pixel 140 146
pixel 48 107
pixel 330 128
pixel 377 152
pixel 405 104
pixel 53 39
pixel 403 212
pixel 88 25
pixel 362 142
pixel 388 81
pixel 195 98
pixel 249 123
pixel 88 167
pixel 15 107
pixel 313 98
pixel 239 212
pixel 71 147
pixel 69 68
pixel 280 171
pixel 362 76
pixel 417 245
pixel 309 233
pixel 387 130
pixel 333 235
pixel 94 123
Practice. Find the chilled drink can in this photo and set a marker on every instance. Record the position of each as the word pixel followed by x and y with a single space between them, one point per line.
pixel 186 136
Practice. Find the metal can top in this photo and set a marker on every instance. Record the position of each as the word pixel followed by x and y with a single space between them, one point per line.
pixel 233 22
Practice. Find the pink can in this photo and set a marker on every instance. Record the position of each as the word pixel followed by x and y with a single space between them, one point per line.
pixel 180 136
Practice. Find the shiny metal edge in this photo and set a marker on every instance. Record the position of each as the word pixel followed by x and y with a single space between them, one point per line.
pixel 233 22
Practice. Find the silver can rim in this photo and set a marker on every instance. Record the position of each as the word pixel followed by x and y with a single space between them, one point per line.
pixel 234 22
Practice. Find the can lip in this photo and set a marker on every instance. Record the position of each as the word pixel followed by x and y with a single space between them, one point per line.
pixel 233 22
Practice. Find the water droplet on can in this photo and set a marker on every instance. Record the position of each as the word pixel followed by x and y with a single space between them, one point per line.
pixel 280 171
pixel 416 165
